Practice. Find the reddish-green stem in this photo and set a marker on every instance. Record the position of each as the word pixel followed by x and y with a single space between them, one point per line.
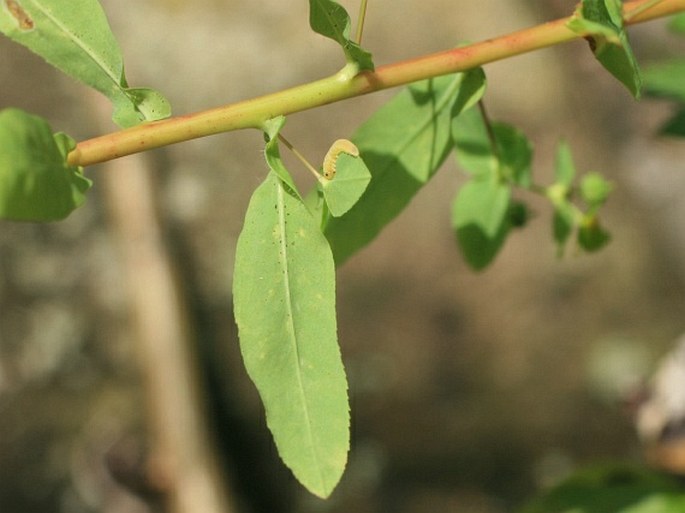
pixel 343 85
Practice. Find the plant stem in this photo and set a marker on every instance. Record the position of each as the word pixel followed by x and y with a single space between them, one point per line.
pixel 343 85
pixel 629 15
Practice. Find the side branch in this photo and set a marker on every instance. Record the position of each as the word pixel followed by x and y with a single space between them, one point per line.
pixel 252 113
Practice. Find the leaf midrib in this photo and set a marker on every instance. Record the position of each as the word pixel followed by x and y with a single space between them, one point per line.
pixel 89 51
pixel 405 143
pixel 285 267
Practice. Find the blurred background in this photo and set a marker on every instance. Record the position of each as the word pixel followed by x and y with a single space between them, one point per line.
pixel 469 391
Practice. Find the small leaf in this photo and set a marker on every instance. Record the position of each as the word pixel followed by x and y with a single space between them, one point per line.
pixel 36 183
pixel 480 219
pixel 403 144
pixel 331 20
pixel 564 218
pixel 284 296
pixel 563 223
pixel 594 189
pixel 591 236
pixel 347 186
pixel 676 125
pixel 564 169
pixel 601 21
pixel 518 214
pixel 75 37
pixel 511 160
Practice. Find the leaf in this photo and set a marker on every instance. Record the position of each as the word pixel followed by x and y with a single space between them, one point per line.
pixel 564 219
pixel 676 125
pixel 36 183
pixel 403 144
pixel 594 189
pixel 475 153
pixel 677 23
pixel 284 297
pixel 591 236
pixel 351 179
pixel 74 36
pixel 331 20
pixel 272 127
pixel 564 169
pixel 479 218
pixel 563 222
pixel 666 79
pixel 614 488
pixel 601 21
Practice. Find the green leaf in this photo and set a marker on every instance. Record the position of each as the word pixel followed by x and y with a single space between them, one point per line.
pixel 480 219
pixel 666 79
pixel 403 144
pixel 74 36
pixel 563 222
pixel 676 125
pixel 349 183
pixel 564 169
pixel 272 127
pixel 677 23
pixel 613 488
pixel 36 183
pixel 594 189
pixel 601 22
pixel 512 158
pixel 331 20
pixel 591 236
pixel 284 297
pixel 565 213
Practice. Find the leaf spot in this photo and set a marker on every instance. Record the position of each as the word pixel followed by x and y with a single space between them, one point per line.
pixel 17 11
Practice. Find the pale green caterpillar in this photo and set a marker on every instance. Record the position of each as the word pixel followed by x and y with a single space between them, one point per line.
pixel 331 158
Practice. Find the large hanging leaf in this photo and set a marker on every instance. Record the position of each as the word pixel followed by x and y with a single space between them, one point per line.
pixel 74 36
pixel 36 183
pixel 331 20
pixel 403 144
pixel 284 296
pixel 601 21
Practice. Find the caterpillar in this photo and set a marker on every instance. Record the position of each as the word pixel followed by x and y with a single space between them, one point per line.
pixel 331 158
pixel 23 19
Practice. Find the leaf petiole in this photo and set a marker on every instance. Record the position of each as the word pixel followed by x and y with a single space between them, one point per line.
pixel 491 135
pixel 299 156
pixel 360 22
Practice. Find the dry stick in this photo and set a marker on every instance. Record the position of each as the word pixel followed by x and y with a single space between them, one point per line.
pixel 184 458
pixel 344 84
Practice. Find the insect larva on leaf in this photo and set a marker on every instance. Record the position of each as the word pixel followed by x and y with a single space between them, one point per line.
pixel 331 158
